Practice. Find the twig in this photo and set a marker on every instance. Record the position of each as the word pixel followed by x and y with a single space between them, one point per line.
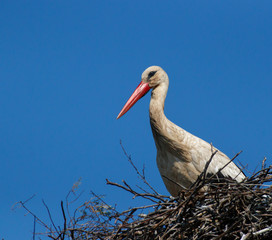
pixel 225 166
pixel 48 211
pixel 262 231
pixel 64 217
pixel 142 176
pixel 34 215
pixel 202 176
pixel 34 227
pixel 148 196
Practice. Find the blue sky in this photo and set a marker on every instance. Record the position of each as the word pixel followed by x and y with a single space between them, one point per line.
pixel 67 68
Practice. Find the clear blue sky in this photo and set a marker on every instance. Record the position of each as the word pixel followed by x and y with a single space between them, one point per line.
pixel 68 67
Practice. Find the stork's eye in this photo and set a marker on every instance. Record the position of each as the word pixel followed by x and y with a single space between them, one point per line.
pixel 151 74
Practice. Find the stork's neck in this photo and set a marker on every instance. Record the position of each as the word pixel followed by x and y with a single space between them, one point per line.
pixel 158 120
pixel 166 134
pixel 156 107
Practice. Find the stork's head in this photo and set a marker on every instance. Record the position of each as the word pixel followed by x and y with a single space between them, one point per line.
pixel 154 76
pixel 151 78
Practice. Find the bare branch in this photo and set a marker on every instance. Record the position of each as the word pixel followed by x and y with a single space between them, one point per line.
pixel 49 214
pixel 142 176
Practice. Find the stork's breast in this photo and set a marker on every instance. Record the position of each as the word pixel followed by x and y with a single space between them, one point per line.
pixel 175 173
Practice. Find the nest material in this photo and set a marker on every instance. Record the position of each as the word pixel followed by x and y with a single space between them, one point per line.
pixel 226 210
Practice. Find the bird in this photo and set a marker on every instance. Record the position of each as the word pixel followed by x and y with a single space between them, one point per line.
pixel 181 156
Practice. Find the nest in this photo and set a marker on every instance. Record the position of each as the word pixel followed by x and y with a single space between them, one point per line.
pixel 225 210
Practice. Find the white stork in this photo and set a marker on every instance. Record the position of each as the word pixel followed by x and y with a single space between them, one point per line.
pixel 181 156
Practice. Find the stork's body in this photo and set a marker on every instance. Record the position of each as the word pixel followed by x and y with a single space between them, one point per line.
pixel 181 156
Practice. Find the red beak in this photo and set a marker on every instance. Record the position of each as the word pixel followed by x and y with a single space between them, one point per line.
pixel 139 92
